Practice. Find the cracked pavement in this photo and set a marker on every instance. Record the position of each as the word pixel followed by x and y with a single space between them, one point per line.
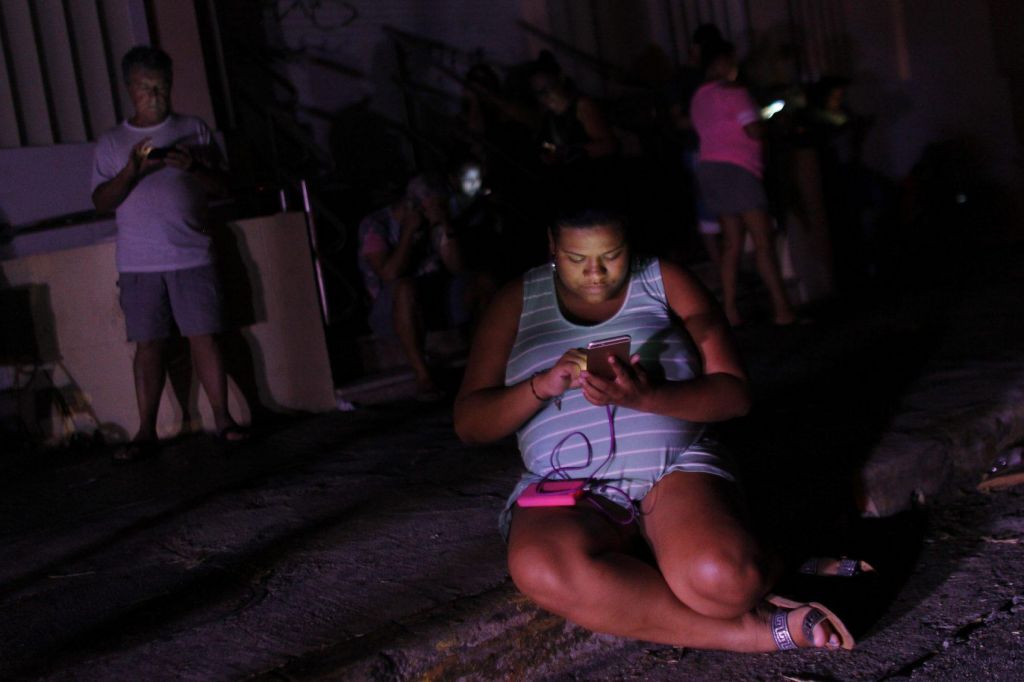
pixel 364 545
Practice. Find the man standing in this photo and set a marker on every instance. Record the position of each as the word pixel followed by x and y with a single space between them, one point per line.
pixel 157 170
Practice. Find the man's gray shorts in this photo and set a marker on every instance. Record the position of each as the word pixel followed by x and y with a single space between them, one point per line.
pixel 154 302
pixel 728 189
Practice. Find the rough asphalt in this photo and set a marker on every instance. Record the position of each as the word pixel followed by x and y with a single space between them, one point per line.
pixel 363 545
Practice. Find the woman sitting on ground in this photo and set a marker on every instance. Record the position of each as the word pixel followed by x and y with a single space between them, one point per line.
pixel 656 484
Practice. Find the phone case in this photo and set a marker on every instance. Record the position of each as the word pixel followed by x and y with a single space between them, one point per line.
pixel 598 352
pixel 552 494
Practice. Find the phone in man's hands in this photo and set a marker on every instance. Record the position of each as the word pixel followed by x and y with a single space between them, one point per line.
pixel 159 152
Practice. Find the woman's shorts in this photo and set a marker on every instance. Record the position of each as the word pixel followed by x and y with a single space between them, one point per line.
pixel 729 189
pixel 704 456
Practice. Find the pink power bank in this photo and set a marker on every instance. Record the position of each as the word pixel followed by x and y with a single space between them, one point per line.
pixel 552 494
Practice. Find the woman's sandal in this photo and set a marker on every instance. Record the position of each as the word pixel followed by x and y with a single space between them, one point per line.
pixel 1006 471
pixel 779 621
pixel 234 434
pixel 843 567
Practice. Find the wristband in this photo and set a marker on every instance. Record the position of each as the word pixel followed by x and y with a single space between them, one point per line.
pixel 557 400
pixel 534 391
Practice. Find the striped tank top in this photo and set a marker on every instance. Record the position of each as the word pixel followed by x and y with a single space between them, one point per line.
pixel 647 446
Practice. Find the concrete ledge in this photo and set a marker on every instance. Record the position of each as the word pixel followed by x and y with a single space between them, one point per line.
pixel 951 425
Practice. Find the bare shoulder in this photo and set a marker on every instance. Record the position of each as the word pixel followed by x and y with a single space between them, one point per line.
pixel 686 294
pixel 702 317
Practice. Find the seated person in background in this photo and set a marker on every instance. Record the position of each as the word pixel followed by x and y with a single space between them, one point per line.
pixel 408 254
pixel 664 488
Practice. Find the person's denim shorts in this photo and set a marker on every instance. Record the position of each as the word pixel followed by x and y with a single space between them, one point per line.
pixel 154 302
pixel 729 189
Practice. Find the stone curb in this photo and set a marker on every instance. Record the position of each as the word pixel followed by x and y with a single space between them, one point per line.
pixel 925 452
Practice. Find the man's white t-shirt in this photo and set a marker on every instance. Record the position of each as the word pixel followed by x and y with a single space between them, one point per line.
pixel 161 224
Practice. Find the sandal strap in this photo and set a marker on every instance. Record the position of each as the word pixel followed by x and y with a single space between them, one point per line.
pixel 847 568
pixel 780 630
pixel 811 620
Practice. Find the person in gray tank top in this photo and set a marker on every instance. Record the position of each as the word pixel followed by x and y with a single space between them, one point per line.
pixel 640 468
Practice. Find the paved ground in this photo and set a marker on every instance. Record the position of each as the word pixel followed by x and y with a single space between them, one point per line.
pixel 363 545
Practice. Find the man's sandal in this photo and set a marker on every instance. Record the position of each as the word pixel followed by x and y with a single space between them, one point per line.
pixel 830 567
pixel 781 634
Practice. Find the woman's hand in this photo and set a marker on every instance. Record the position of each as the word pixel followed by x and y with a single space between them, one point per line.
pixel 631 387
pixel 565 374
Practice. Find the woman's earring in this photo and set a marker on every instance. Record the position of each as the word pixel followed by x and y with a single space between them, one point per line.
pixel 554 266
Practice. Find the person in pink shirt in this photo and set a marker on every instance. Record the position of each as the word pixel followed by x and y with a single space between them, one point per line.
pixel 731 166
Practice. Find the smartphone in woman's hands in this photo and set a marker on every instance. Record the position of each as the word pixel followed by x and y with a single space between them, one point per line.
pixel 599 351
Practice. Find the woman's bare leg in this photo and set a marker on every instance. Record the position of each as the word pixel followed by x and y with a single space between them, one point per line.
pixel 709 559
pixel 574 562
pixel 760 226
pixel 732 252
pixel 408 324
pixel 706 555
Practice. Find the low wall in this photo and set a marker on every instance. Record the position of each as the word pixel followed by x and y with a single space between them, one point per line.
pixel 277 355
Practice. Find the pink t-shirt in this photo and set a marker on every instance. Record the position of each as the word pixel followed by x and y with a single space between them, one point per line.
pixel 719 110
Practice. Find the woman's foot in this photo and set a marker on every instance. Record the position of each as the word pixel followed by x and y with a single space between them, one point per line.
pixel 1006 471
pixel 228 430
pixel 786 625
pixel 830 566
pixel 233 434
